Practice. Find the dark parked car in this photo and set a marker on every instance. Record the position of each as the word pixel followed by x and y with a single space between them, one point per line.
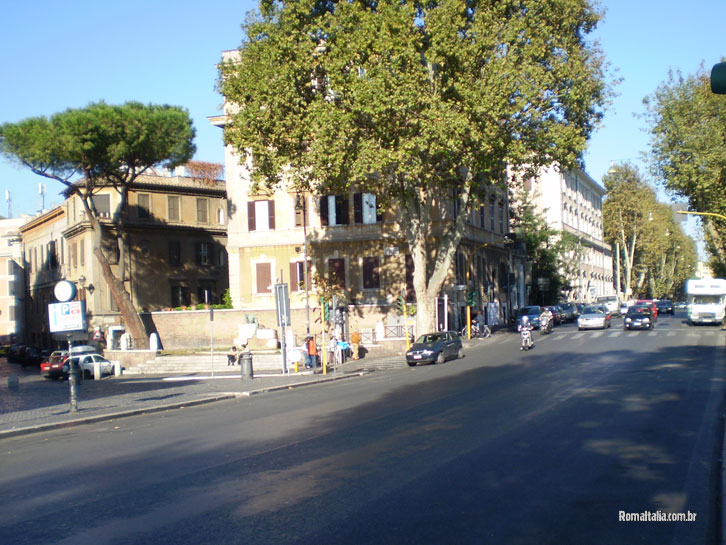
pixel 571 311
pixel 532 313
pixel 639 317
pixel 435 348
pixel 557 314
pixel 664 306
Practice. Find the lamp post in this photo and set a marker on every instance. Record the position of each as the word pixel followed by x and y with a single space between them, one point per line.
pixel 720 216
pixel 301 205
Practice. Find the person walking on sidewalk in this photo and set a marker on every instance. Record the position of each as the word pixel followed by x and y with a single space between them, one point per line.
pixel 311 353
pixel 355 340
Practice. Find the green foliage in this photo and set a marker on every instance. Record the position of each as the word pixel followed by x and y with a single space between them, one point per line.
pixel 552 253
pixel 418 103
pixel 227 299
pixel 688 130
pixel 655 256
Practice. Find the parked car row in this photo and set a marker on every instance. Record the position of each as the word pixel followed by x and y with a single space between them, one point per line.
pixel 25 354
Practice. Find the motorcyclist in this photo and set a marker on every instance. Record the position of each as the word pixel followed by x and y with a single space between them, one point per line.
pixel 545 319
pixel 525 325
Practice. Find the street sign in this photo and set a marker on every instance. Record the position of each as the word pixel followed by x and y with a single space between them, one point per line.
pixel 282 304
pixel 70 316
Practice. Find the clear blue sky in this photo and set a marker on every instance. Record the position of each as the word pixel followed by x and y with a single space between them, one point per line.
pixel 60 54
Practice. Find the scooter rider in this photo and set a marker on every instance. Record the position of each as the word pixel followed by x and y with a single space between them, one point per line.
pixel 545 320
pixel 525 328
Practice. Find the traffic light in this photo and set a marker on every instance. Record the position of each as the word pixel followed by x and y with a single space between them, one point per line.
pixel 326 311
pixel 401 303
pixel 471 298
pixel 718 79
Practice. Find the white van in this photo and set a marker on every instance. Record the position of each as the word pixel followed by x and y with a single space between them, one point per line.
pixel 610 302
pixel 706 300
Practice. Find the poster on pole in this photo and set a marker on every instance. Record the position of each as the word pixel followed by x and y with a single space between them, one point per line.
pixel 68 316
pixel 282 304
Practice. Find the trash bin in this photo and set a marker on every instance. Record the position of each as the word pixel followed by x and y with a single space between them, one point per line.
pixel 246 367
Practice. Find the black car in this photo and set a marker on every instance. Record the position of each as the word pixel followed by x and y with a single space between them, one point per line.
pixel 664 306
pixel 435 348
pixel 639 317
pixel 570 310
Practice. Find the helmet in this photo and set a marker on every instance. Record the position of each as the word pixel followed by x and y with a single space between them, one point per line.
pixel 525 320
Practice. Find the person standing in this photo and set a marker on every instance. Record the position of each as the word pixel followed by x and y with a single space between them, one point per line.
pixel 355 340
pixel 311 353
pixel 232 356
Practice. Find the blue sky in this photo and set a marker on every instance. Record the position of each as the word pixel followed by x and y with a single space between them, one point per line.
pixel 60 54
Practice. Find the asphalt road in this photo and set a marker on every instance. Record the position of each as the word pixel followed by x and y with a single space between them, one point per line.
pixel 503 446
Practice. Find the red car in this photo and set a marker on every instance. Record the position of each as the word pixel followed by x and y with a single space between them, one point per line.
pixel 651 304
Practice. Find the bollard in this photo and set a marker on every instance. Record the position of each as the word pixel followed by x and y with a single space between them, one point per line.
pixel 117 368
pixel 96 370
pixel 246 366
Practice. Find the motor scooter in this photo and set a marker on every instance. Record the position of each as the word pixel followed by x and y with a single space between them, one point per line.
pixel 526 337
pixel 545 325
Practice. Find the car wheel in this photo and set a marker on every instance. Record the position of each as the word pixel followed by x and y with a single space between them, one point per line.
pixel 440 358
pixel 460 354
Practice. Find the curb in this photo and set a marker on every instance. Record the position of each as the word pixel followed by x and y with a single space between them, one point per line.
pixel 92 419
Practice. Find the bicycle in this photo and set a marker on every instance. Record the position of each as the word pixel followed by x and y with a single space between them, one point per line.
pixel 484 333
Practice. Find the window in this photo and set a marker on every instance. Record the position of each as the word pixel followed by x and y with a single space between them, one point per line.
pixel 82 252
pixel 102 204
pixel 174 252
pixel 74 255
pixel 204 254
pixel 11 288
pixel 173 203
pixel 220 216
pixel 11 267
pixel 482 217
pixel 297 275
pixel 336 271
pixel 371 273
pixel 264 277
pixel 143 203
pixel 364 209
pixel 202 210
pixel 261 215
pixel 501 217
pixel 52 261
pixel 491 215
pixel 221 256
pixel 205 293
pixel 334 210
pixel 180 296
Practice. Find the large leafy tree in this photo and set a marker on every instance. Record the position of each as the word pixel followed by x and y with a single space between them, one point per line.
pixel 97 146
pixel 653 257
pixel 688 131
pixel 417 102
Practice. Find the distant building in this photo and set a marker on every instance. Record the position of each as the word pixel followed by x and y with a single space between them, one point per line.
pixel 12 280
pixel 176 257
pixel 571 201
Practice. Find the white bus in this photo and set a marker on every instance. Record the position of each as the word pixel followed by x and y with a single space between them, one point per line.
pixel 610 302
pixel 706 300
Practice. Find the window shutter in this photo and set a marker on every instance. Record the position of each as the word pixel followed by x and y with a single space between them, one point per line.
pixel 294 280
pixel 357 208
pixel 264 277
pixel 324 210
pixel 342 210
pixel 271 212
pixel 251 215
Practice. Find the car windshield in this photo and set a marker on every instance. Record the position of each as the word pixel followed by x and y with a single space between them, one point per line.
pixel 638 310
pixel 429 338
pixel 593 310
pixel 529 310
pixel 663 303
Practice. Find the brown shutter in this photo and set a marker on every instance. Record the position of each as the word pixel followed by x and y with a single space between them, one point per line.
pixel 294 280
pixel 251 215
pixel 264 277
pixel 271 212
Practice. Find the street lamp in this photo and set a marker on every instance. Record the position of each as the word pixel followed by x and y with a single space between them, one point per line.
pixel 720 216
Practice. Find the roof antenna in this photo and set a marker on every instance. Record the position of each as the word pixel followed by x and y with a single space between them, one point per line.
pixel 9 200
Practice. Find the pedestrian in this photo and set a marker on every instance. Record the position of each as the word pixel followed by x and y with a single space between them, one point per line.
pixel 311 353
pixel 355 340
pixel 232 356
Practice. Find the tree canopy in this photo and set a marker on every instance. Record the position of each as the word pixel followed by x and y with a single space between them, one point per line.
pixel 653 255
pixel 97 146
pixel 416 102
pixel 688 132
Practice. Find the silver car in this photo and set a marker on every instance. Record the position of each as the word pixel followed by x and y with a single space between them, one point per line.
pixel 594 317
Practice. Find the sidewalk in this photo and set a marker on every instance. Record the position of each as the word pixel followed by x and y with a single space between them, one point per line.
pixel 37 404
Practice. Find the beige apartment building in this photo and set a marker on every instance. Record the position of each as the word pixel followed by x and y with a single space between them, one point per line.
pixel 571 201
pixel 351 241
pixel 12 280
pixel 175 256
